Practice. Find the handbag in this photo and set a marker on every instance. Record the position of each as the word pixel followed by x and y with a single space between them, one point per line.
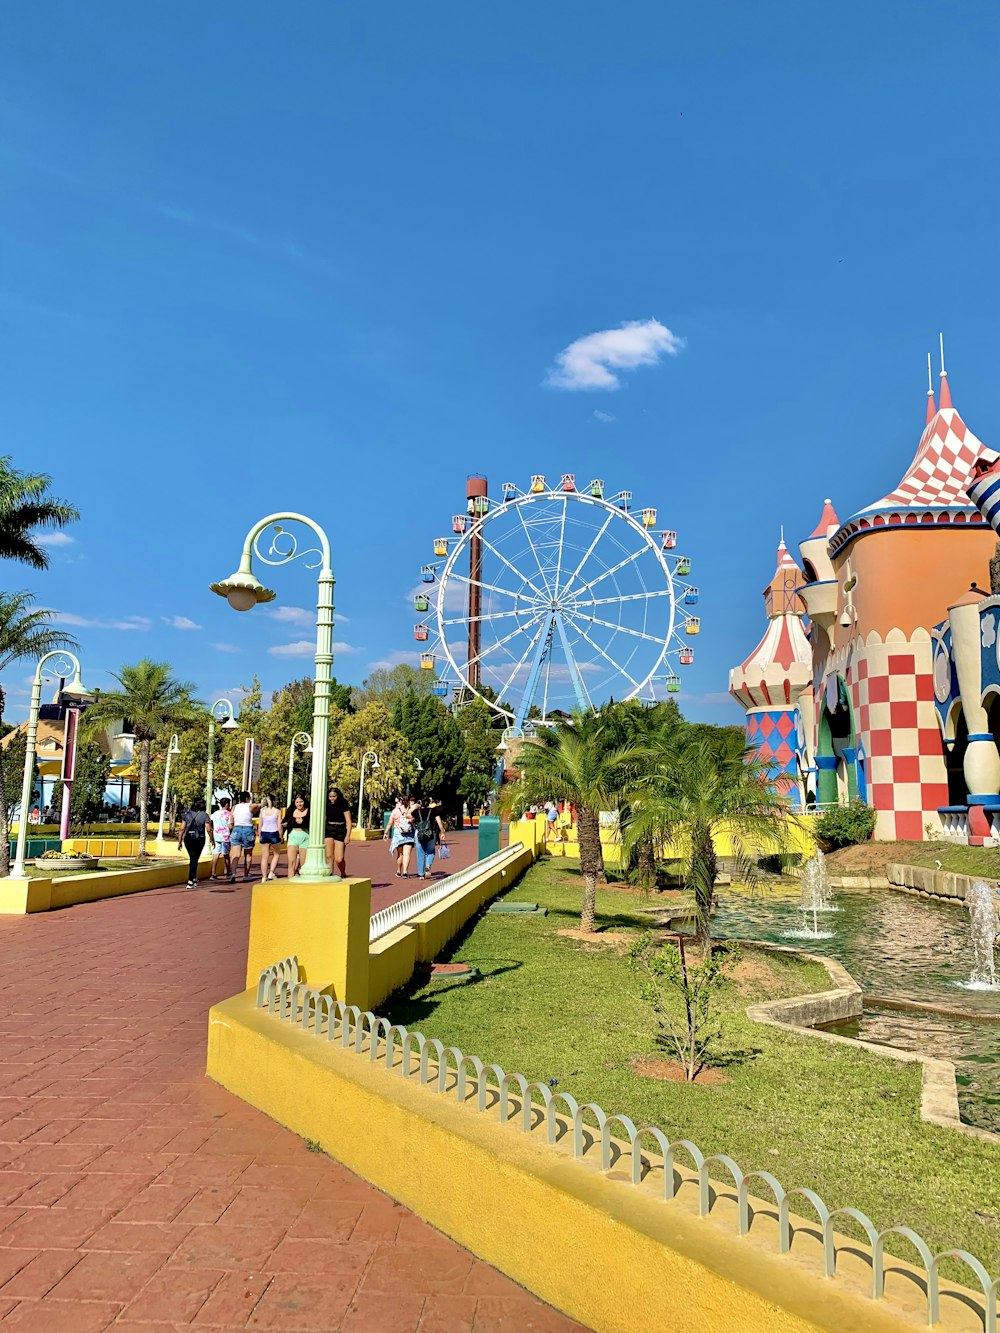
pixel 444 851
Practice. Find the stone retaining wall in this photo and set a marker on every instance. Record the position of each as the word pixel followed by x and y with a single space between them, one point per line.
pixel 941 884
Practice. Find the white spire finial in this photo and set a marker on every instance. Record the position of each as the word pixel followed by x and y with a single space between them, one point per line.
pixel 944 373
pixel 930 379
pixel 782 534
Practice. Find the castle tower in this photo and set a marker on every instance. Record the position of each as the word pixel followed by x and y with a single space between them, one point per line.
pixel 876 587
pixel 768 684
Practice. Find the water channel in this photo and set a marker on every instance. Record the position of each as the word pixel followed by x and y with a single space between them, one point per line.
pixel 897 947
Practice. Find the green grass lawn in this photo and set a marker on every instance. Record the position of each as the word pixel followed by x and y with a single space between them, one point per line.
pixel 842 1121
pixel 955 857
pixel 112 863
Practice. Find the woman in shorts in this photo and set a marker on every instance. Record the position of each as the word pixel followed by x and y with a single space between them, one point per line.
pixel 399 833
pixel 270 838
pixel 222 829
pixel 297 834
pixel 243 836
pixel 338 832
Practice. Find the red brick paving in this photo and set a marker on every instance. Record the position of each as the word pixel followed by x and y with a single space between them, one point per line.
pixel 136 1195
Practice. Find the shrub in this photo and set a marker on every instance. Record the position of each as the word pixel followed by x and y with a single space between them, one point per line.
pixel 846 825
pixel 682 994
pixel 779 862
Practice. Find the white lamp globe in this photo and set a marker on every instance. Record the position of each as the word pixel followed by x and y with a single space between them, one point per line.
pixel 241 599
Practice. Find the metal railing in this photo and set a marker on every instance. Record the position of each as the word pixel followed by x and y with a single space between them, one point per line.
pixel 399 913
pixel 487 1088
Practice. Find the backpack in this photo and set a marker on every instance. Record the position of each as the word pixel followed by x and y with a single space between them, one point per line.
pixel 426 828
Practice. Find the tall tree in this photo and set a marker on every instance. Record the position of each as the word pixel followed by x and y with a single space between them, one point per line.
pixel 150 699
pixel 580 761
pixel 25 633
pixel 692 791
pixel 370 729
pixel 389 684
pixel 435 740
pixel 25 507
pixel 481 730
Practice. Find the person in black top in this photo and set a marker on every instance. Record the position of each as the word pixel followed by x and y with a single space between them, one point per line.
pixel 338 832
pixel 430 831
pixel 192 839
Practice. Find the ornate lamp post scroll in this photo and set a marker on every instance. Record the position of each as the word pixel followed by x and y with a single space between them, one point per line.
pixel 174 749
pixel 74 691
pixel 297 739
pixel 368 755
pixel 228 725
pixel 243 590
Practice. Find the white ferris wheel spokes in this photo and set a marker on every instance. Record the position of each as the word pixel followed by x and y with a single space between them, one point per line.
pixel 569 600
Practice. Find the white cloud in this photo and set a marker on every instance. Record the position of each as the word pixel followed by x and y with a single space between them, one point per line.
pixel 298 615
pixel 400 657
pixel 307 648
pixel 179 622
pixel 591 362
pixel 83 622
pixel 602 416
pixel 225 647
pixel 54 539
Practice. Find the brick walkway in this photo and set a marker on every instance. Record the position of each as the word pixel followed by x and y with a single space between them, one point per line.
pixel 137 1195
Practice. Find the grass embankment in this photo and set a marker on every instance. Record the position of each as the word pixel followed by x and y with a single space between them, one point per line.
pixel 873 857
pixel 842 1121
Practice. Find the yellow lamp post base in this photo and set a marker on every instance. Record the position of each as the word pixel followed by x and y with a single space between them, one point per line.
pixel 323 923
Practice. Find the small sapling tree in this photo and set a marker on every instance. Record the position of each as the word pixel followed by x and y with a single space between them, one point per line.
pixel 682 994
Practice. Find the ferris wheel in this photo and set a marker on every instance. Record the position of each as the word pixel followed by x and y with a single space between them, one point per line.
pixel 553 598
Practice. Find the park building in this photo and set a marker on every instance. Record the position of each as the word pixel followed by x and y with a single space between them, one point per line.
pixel 54 734
pixel 878 678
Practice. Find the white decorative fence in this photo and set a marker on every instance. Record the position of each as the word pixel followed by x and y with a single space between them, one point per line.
pixel 485 1088
pixel 399 913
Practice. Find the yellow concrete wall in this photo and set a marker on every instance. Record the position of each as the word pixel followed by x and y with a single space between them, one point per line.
pixel 801 838
pixel 392 960
pixel 104 848
pixel 19 896
pixel 613 1257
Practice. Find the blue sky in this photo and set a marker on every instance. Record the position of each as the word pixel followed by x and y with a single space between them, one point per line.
pixel 324 256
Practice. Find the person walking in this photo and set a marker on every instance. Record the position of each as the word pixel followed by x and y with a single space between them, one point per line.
pixel 192 839
pixel 429 831
pixel 337 832
pixel 297 833
pixel 222 829
pixel 400 835
pixel 270 838
pixel 243 836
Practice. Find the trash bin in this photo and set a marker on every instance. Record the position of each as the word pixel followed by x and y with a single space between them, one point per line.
pixel 489 835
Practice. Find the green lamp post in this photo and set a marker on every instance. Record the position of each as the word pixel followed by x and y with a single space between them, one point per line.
pixel 229 724
pixel 75 692
pixel 244 590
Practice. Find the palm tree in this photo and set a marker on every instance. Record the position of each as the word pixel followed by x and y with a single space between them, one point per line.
pixel 696 789
pixel 25 505
pixel 578 761
pixel 25 634
pixel 639 726
pixel 150 699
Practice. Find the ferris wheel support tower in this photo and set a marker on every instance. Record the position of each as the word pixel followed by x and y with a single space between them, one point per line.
pixel 476 489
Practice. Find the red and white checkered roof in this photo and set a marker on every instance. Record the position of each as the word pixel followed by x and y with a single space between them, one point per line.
pixel 941 467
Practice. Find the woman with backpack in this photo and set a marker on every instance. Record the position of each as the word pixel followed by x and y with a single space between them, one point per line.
pixel 429 831
pixel 192 839
pixel 400 835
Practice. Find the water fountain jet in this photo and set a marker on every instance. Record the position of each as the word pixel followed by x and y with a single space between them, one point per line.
pixel 983 922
